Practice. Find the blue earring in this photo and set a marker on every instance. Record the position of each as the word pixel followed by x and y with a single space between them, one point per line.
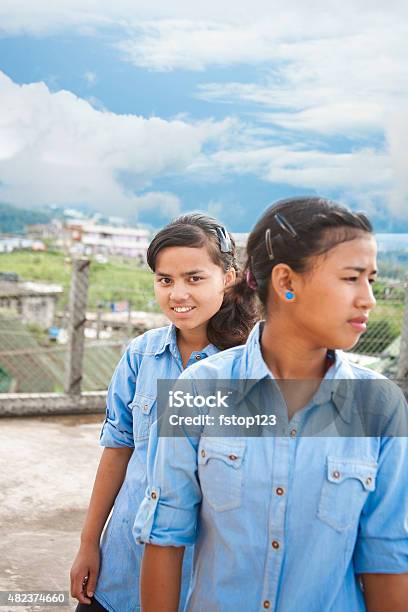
pixel 289 295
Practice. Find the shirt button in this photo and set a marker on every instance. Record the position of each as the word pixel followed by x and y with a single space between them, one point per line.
pixel 275 544
pixel 266 604
pixel 198 357
pixel 203 453
pixel 154 495
pixel 336 474
pixel 145 407
pixel 232 457
pixel 293 433
pixel 369 480
pixel 280 491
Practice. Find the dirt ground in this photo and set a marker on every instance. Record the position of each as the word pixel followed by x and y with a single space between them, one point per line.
pixel 47 467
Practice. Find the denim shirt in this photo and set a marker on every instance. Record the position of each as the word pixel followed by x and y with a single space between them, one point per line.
pixel 131 409
pixel 284 523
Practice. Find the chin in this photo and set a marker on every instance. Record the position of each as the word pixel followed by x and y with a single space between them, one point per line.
pixel 346 345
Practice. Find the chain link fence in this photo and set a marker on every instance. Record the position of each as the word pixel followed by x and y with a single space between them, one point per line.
pixel 72 340
pixel 101 307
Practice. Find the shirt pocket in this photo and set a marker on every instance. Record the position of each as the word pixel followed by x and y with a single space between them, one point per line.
pixel 346 486
pixel 220 472
pixel 142 411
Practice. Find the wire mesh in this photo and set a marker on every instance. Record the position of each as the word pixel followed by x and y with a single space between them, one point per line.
pixel 115 304
pixel 86 338
pixel 383 329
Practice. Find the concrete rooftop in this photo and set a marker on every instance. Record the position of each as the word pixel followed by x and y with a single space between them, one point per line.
pixel 47 467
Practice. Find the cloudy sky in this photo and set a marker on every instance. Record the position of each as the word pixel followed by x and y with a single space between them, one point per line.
pixel 146 109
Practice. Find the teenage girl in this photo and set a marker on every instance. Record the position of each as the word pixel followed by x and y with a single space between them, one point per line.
pixel 195 269
pixel 290 523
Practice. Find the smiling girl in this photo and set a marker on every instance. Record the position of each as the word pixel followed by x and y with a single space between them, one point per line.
pixel 195 270
pixel 289 521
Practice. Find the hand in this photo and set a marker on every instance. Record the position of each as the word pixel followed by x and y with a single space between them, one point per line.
pixel 84 572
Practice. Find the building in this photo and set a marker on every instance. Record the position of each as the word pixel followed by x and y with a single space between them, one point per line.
pixel 44 231
pixel 14 243
pixel 33 302
pixel 108 240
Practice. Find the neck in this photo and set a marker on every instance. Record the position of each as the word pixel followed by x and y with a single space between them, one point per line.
pixel 192 340
pixel 288 355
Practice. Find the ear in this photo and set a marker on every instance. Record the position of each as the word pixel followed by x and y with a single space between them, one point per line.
pixel 230 277
pixel 283 280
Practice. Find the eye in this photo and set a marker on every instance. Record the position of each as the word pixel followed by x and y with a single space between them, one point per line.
pixel 164 281
pixel 195 278
pixel 372 281
pixel 352 279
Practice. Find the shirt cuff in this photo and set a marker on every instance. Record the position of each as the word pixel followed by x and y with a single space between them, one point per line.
pixel 159 524
pixel 112 437
pixel 381 556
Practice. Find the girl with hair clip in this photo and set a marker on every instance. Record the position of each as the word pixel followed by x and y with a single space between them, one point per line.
pixel 195 269
pixel 314 516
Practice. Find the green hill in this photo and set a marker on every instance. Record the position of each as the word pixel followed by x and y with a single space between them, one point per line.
pixel 13 220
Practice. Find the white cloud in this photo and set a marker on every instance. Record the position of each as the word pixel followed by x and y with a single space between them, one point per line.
pixel 319 74
pixel 57 148
pixel 397 134
pixel 302 167
pixel 47 16
pixel 351 37
pixel 170 44
pixel 168 204
pixel 292 109
pixel 90 78
pixel 320 69
pixel 345 83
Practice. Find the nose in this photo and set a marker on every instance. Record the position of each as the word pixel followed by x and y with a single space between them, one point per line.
pixel 366 298
pixel 179 292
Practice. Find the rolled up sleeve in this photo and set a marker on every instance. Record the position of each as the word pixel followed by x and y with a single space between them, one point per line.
pixel 117 430
pixel 382 543
pixel 169 510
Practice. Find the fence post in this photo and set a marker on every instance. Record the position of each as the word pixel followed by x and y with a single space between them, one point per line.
pixel 99 321
pixel 129 320
pixel 77 318
pixel 402 373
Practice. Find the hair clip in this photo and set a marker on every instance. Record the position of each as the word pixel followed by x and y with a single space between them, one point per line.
pixel 250 279
pixel 285 225
pixel 268 244
pixel 225 240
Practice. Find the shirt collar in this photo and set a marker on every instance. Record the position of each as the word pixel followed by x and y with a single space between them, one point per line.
pixel 170 342
pixel 253 367
pixel 170 339
pixel 342 389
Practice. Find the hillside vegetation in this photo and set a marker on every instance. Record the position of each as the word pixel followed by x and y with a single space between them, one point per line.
pixel 13 220
pixel 112 282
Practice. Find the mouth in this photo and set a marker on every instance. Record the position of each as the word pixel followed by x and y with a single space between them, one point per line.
pixel 359 323
pixel 182 309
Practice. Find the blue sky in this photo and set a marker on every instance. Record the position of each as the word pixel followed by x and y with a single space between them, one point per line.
pixel 146 111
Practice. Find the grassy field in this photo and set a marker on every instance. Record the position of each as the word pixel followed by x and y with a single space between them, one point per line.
pixel 115 281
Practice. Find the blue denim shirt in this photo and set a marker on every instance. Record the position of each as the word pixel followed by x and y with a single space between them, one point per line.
pixel 131 409
pixel 283 523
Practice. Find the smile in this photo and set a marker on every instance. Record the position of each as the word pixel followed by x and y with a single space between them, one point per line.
pixel 181 309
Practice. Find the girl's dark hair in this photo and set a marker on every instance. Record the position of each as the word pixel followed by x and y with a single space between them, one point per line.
pixel 293 231
pixel 231 325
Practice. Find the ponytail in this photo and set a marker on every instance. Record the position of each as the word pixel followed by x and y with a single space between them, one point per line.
pixel 239 312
